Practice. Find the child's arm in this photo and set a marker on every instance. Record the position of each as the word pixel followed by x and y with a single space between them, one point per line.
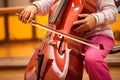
pixel 107 12
pixel 42 7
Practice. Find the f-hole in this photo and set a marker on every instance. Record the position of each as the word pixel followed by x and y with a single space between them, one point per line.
pixel 60 45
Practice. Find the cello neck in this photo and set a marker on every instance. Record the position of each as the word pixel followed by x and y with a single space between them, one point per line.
pixel 58 13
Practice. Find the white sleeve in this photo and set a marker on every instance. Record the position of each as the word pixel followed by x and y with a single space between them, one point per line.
pixel 43 6
pixel 107 12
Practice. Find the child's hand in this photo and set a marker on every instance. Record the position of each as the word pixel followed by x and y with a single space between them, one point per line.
pixel 28 13
pixel 86 23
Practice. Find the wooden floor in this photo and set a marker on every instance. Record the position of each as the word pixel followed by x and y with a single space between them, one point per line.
pixel 18 74
pixel 16 55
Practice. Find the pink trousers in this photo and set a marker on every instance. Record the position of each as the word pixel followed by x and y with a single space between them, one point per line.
pixel 96 67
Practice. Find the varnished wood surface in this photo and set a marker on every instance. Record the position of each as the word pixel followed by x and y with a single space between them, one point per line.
pixel 18 54
pixel 18 74
pixel 15 56
pixel 8 10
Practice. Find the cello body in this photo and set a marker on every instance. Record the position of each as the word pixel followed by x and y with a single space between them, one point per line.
pixel 60 62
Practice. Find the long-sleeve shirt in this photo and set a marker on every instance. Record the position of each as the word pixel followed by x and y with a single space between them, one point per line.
pixel 106 14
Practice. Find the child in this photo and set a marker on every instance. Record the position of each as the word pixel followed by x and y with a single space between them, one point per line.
pixel 96 26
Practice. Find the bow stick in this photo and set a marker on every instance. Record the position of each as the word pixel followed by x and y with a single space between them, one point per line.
pixel 69 36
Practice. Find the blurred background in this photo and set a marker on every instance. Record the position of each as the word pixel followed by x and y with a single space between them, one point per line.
pixel 18 41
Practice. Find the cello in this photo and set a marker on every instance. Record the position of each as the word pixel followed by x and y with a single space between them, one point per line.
pixel 56 59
